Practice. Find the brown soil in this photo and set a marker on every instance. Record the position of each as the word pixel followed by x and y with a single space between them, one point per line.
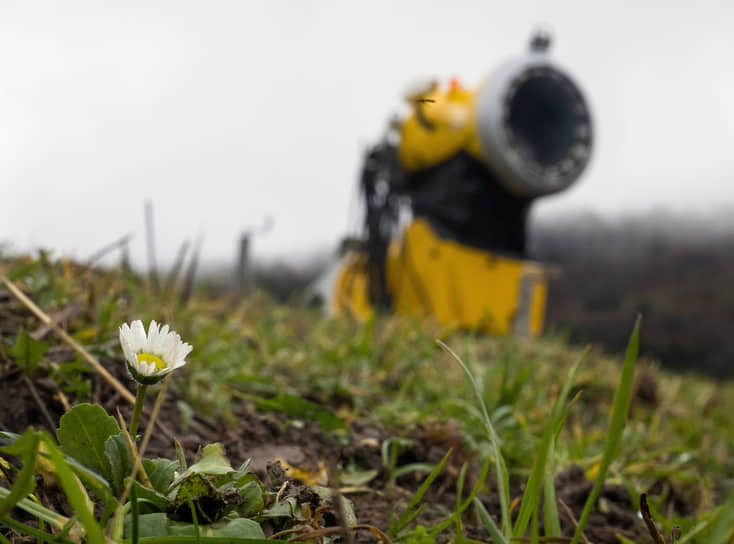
pixel 266 436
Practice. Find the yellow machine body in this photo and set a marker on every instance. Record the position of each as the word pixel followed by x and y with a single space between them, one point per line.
pixel 442 122
pixel 457 285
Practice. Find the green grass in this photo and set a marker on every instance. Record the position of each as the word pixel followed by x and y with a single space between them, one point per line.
pixel 390 373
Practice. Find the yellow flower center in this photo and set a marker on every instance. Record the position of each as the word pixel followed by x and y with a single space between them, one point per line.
pixel 150 358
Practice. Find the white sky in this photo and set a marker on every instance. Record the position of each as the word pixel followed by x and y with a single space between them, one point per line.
pixel 225 112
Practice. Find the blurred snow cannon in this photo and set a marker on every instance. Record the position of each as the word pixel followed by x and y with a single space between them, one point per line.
pixel 528 124
pixel 447 194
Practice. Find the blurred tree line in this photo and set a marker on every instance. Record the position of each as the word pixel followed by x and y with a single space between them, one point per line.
pixel 676 271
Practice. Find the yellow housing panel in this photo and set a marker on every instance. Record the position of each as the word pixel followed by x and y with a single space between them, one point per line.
pixel 442 123
pixel 351 288
pixel 455 284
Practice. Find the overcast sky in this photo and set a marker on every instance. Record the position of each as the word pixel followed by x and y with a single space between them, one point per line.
pixel 223 113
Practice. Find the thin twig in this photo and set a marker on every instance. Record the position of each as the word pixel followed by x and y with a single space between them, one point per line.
pixel 62 399
pixel 133 450
pixel 71 311
pixel 341 514
pixel 91 359
pixel 571 517
pixel 649 521
pixel 41 405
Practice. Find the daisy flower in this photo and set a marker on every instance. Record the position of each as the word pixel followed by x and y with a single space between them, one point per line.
pixel 150 357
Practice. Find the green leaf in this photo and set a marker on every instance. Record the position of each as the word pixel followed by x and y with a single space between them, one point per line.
pixel 211 462
pixel 358 477
pixel 210 505
pixel 327 496
pixel 27 351
pixel 93 481
pixel 148 525
pixel 158 525
pixel 620 407
pixel 25 447
pixel 243 489
pixel 160 473
pixel 83 433
pixel 284 509
pixel 118 456
pixel 253 498
pixel 240 527
pixel 242 474
pixel 158 500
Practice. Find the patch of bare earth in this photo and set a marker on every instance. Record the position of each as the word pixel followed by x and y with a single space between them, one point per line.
pixel 264 437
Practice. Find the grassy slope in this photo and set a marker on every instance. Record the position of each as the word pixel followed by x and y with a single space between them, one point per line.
pixel 678 445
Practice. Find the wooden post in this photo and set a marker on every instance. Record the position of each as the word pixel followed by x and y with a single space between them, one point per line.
pixel 242 274
pixel 150 239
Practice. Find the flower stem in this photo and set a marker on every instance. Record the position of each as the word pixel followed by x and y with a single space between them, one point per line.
pixel 139 398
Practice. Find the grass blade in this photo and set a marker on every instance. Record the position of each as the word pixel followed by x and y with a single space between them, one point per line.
pixel 25 447
pixel 531 497
pixel 459 495
pixel 22 528
pixel 408 514
pixel 723 524
pixel 74 491
pixel 620 407
pixel 456 516
pixel 503 479
pixel 41 512
pixel 551 519
pixel 489 523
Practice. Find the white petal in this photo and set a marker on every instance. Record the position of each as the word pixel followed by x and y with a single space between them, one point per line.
pixel 183 350
pixel 166 347
pixel 125 339
pixel 153 332
pixel 138 341
pixel 161 341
